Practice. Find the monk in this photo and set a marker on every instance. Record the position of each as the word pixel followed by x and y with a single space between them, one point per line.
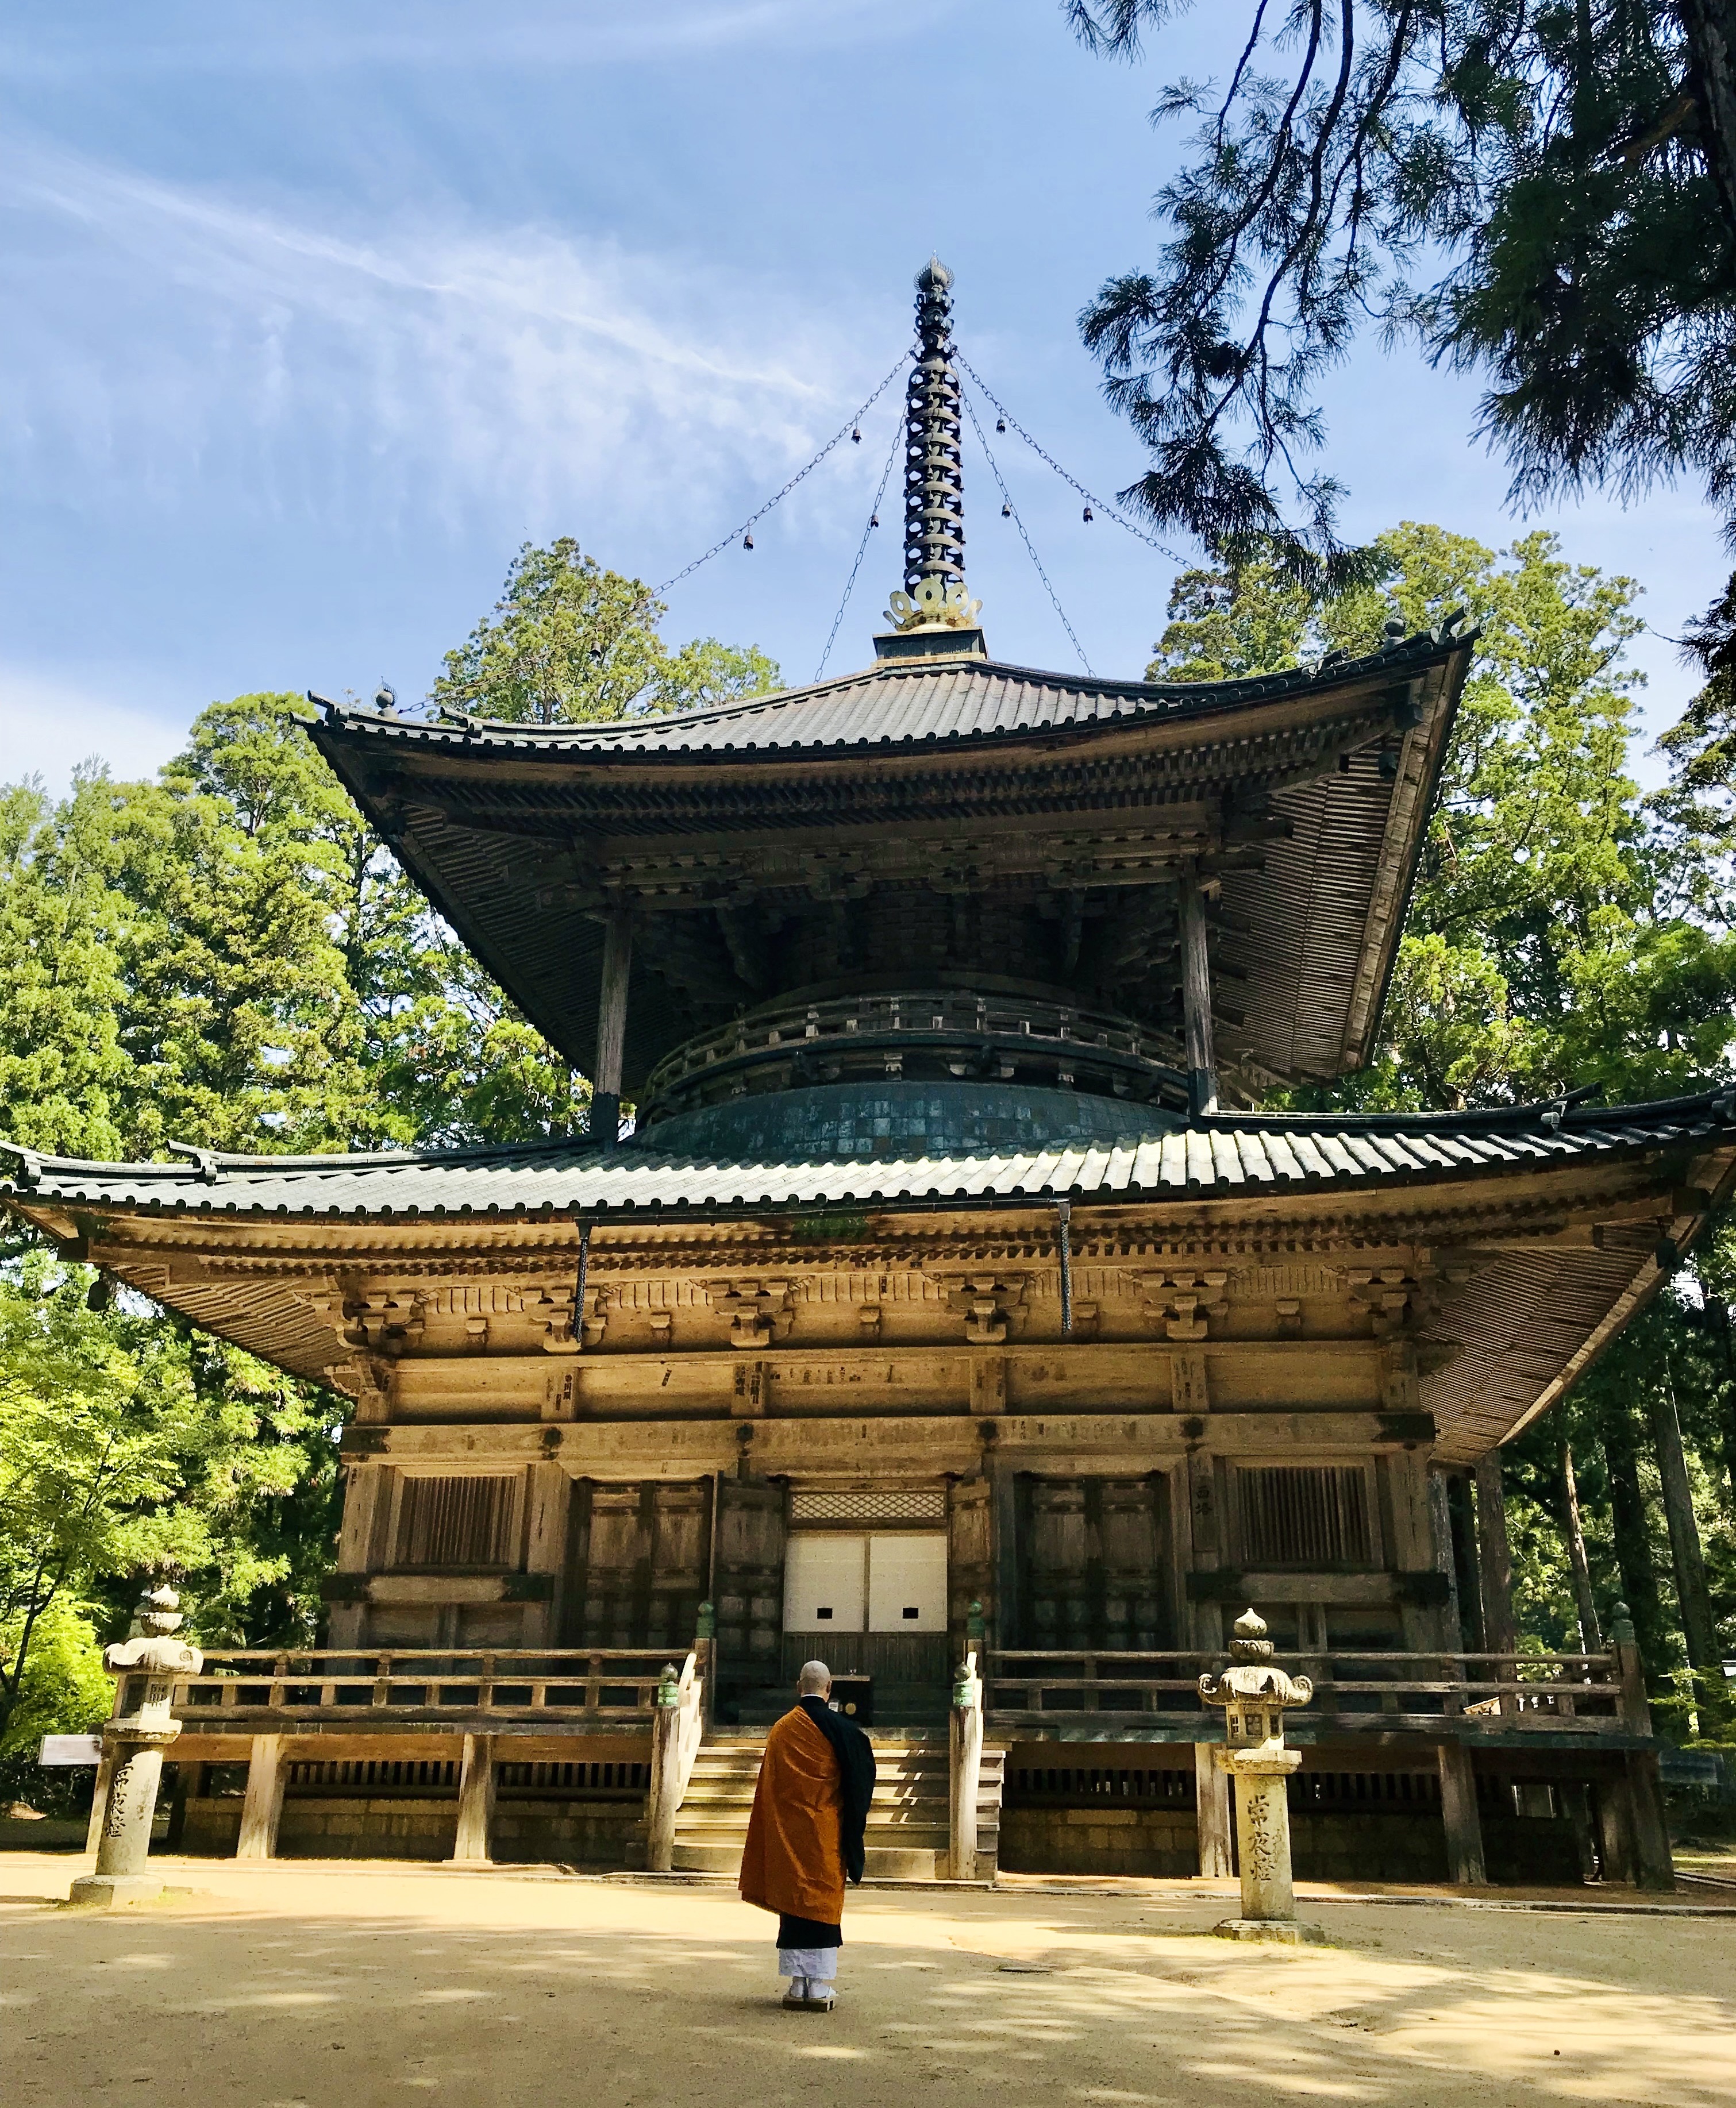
pixel 804 1836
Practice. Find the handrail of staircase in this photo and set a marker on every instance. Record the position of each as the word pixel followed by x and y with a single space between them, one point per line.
pixel 964 1755
pixel 678 1727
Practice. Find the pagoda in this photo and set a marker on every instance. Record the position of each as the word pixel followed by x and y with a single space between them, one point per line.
pixel 944 1300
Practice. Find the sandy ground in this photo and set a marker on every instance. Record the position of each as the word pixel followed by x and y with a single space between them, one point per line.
pixel 289 1986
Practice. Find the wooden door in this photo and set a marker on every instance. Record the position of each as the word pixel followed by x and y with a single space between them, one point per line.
pixel 1092 1563
pixel 750 1531
pixel 638 1554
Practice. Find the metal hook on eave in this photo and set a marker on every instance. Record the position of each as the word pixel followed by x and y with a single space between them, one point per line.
pixel 209 1170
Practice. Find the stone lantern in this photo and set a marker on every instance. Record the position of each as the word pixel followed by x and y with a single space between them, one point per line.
pixel 133 1742
pixel 1254 1694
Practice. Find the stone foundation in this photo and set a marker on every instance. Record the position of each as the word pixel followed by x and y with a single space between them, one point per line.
pixel 1099 1840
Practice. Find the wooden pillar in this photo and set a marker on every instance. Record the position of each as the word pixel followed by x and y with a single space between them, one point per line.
pixel 1653 1865
pixel 262 1809
pixel 1459 1816
pixel 1004 1494
pixel 1211 1809
pixel 189 1785
pixel 1463 1519
pixel 474 1840
pixel 1614 1817
pixel 1196 999
pixel 611 1028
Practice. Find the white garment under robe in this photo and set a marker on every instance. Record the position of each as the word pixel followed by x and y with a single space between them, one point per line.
pixel 819 1964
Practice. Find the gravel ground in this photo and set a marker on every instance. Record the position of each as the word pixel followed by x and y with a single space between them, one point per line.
pixel 301 1986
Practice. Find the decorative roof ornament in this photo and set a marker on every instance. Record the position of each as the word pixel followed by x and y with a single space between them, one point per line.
pixel 934 596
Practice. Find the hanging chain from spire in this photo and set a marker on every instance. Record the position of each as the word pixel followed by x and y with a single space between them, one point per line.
pixel 873 521
pixel 848 425
pixel 1014 515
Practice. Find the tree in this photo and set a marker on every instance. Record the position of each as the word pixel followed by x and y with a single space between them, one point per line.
pixel 1544 194
pixel 1555 937
pixel 571 643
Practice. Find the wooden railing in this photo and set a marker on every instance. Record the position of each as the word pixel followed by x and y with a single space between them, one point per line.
pixel 570 1686
pixel 1357 1689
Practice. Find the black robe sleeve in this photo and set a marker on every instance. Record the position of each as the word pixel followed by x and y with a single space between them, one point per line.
pixel 856 1755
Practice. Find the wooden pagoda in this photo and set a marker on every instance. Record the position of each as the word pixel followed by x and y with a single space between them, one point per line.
pixel 943 1303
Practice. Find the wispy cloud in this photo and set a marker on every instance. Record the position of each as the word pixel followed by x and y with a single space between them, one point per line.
pixel 569 34
pixel 50 724
pixel 169 342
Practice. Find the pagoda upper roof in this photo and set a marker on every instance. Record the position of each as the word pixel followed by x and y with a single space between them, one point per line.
pixel 1304 794
pixel 1565 1214
pixel 896 703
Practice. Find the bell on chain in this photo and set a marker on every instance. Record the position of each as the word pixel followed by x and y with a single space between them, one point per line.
pixel 873 520
pixel 747 541
pixel 1000 424
pixel 855 434
pixel 1005 512
pixel 1087 516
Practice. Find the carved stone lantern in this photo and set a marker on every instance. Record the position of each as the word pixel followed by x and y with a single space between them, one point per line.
pixel 134 1740
pixel 1254 1694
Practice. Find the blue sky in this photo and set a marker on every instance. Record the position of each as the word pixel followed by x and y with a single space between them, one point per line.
pixel 313 315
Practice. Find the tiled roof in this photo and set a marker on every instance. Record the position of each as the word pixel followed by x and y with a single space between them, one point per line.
pixel 899 703
pixel 1230 1157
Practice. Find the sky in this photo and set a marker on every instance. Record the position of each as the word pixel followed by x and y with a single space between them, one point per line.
pixel 313 316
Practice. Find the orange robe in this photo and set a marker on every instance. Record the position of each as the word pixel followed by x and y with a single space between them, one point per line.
pixel 794 1859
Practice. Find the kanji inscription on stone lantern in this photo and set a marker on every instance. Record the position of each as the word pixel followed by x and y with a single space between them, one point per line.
pixel 1254 1693
pixel 134 1740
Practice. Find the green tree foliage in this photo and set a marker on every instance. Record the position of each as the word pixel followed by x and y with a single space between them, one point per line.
pixel 1566 930
pixel 571 643
pixel 228 956
pixel 1544 194
pixel 1557 936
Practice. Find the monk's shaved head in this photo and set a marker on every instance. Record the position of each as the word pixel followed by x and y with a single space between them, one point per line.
pixel 814 1682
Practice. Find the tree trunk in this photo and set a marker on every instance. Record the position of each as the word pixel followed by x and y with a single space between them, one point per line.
pixel 1710 27
pixel 1495 1558
pixel 1591 1638
pixel 1699 1627
pixel 1627 1513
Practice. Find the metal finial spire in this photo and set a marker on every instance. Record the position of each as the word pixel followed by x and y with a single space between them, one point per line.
pixel 934 594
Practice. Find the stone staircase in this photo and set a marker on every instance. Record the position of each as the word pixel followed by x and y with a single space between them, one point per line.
pixel 908 1827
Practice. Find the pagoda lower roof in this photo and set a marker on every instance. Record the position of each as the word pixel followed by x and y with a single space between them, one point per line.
pixel 1232 1157
pixel 1540 1230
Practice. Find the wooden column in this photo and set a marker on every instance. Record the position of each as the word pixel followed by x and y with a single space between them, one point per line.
pixel 1196 1000
pixel 611 1028
pixel 475 1839
pixel 1653 1865
pixel 1459 1816
pixel 1212 1815
pixel 262 1810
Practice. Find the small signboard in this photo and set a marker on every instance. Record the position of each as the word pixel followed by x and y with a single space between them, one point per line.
pixel 67 1750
